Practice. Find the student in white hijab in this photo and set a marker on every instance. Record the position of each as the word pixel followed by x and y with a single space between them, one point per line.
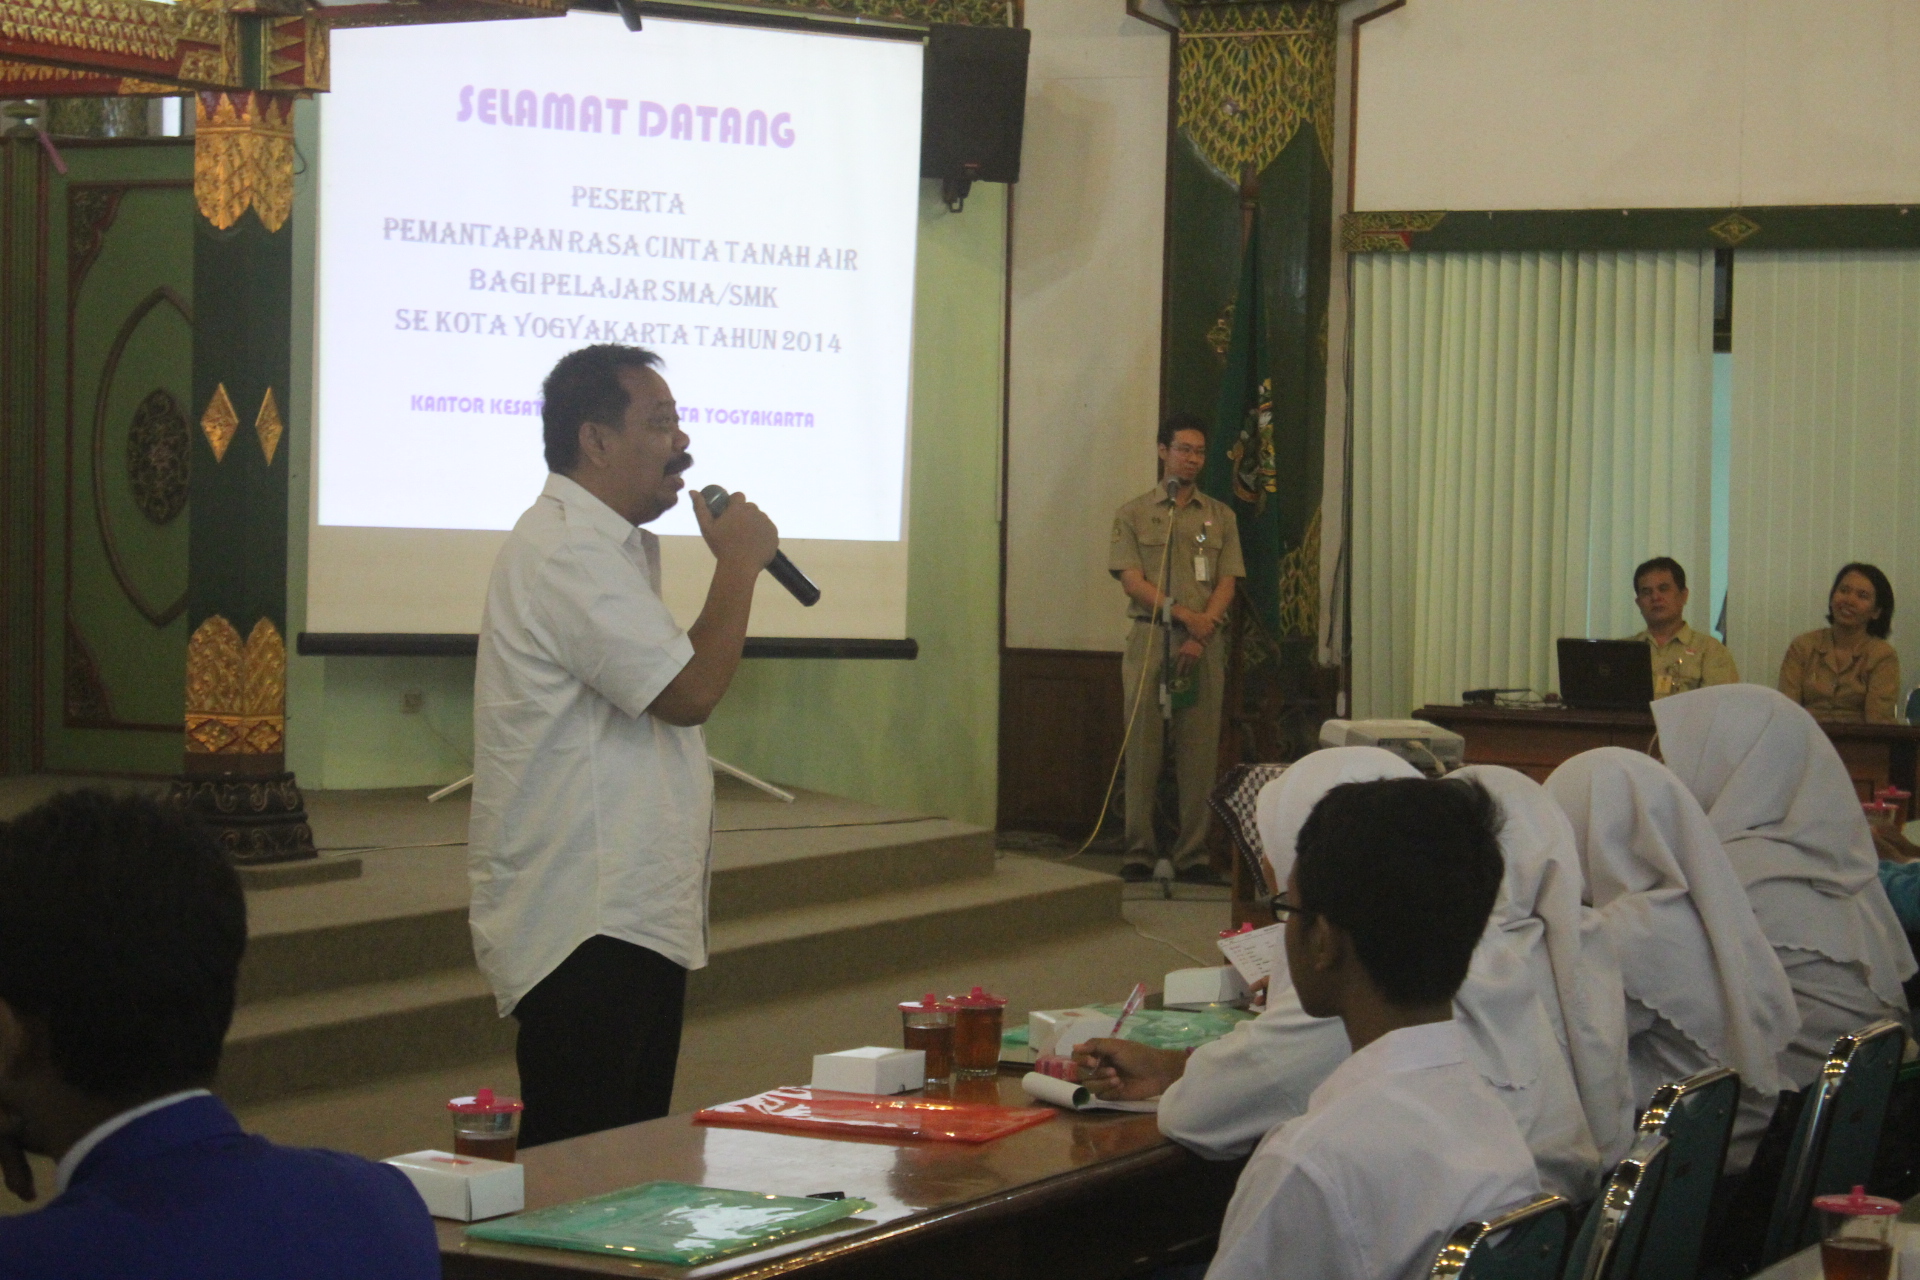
pixel 1787 814
pixel 1564 946
pixel 1224 1098
pixel 1703 987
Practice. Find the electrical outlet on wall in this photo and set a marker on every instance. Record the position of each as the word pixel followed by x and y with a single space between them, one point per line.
pixel 412 702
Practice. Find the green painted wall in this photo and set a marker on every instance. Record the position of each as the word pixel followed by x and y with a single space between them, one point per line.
pixel 918 734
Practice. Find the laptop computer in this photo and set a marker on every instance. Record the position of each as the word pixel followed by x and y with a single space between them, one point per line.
pixel 1606 675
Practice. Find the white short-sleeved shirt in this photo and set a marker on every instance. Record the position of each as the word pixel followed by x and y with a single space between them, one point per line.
pixel 589 815
pixel 1400 1145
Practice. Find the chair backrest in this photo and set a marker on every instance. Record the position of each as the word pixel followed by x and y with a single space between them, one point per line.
pixel 1838 1133
pixel 1610 1241
pixel 1524 1243
pixel 1695 1116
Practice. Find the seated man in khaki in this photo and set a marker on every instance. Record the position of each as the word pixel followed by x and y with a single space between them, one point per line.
pixel 1683 659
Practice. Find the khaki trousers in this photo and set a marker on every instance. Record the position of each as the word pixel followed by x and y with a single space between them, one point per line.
pixel 1196 744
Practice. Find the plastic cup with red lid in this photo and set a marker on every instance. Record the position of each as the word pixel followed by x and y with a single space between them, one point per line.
pixel 927 1024
pixel 1856 1236
pixel 486 1125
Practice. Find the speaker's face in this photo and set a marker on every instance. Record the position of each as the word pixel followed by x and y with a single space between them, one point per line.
pixel 1185 456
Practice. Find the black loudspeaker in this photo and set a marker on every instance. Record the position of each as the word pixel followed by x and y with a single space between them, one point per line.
pixel 973 107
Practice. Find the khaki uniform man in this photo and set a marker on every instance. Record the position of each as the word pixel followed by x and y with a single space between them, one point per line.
pixel 1191 543
pixel 1683 659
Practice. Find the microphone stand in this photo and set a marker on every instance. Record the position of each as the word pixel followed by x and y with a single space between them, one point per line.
pixel 1163 866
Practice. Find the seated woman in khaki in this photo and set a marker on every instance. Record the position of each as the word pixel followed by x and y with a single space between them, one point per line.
pixel 1848 671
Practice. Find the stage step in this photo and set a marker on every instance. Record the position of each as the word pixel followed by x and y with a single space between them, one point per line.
pixel 367 1031
pixel 349 1035
pixel 407 912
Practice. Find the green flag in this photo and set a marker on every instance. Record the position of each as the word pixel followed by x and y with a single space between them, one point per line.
pixel 1240 467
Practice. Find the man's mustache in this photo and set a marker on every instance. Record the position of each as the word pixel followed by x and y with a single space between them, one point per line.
pixel 680 462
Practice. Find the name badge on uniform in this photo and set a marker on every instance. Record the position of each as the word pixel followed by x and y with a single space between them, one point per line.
pixel 1200 553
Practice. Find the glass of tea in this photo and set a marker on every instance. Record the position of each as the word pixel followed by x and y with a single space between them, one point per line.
pixel 976 1033
pixel 485 1126
pixel 927 1024
pixel 1856 1238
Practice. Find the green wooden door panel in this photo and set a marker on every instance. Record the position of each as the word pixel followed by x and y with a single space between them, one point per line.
pixel 122 252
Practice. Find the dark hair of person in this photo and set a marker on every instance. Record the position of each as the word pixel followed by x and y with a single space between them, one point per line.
pixel 121 930
pixel 1409 868
pixel 1881 626
pixel 1668 563
pixel 585 387
pixel 1179 422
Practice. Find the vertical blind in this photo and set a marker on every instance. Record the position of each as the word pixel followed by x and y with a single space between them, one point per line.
pixel 1825 443
pixel 1526 428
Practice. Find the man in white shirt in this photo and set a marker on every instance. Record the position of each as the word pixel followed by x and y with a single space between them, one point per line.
pixel 1405 1141
pixel 592 818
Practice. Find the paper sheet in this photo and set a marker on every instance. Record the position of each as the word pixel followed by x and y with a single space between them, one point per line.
pixel 1252 953
pixel 1076 1097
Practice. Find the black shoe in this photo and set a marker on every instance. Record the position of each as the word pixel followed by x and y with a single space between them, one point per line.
pixel 1200 873
pixel 1136 872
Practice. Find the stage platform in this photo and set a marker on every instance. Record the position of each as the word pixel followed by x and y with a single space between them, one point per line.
pixel 353 980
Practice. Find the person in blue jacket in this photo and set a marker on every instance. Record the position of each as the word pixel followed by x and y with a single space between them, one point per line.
pixel 121 931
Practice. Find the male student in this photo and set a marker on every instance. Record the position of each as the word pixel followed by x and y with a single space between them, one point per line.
pixel 121 929
pixel 1683 659
pixel 1404 1141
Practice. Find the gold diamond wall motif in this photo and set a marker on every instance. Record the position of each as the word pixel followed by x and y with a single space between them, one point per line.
pixel 220 422
pixel 1733 228
pixel 1250 76
pixel 267 425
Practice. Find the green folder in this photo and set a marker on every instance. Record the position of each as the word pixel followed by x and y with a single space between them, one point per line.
pixel 672 1222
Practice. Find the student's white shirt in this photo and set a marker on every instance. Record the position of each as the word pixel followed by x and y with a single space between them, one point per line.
pixel 590 816
pixel 1264 1073
pixel 1403 1143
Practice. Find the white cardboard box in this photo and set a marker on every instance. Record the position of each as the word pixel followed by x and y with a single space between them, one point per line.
pixel 870 1070
pixel 464 1188
pixel 1187 988
pixel 1058 1030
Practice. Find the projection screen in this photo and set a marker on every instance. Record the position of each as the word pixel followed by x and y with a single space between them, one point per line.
pixel 742 201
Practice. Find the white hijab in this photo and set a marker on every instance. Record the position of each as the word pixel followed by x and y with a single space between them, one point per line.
pixel 1688 944
pixel 1784 808
pixel 1513 1043
pixel 1565 948
pixel 1283 805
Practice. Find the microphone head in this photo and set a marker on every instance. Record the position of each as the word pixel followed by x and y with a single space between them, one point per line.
pixel 1173 487
pixel 716 499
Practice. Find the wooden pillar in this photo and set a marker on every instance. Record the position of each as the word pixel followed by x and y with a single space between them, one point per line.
pixel 23 436
pixel 234 774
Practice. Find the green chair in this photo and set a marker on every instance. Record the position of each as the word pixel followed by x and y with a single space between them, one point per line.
pixel 1838 1133
pixel 1525 1243
pixel 1610 1241
pixel 1696 1118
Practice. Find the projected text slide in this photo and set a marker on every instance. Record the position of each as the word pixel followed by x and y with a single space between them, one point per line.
pixel 496 194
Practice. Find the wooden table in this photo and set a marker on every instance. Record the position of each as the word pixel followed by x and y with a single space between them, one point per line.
pixel 1087 1195
pixel 1536 741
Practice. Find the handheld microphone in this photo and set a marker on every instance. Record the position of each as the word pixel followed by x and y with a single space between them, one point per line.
pixel 783 570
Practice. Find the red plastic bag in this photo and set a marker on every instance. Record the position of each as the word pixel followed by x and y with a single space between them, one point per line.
pixel 807 1110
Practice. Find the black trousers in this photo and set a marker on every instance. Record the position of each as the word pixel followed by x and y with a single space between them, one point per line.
pixel 598 1041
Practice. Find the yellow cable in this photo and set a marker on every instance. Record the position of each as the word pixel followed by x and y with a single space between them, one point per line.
pixel 1146 667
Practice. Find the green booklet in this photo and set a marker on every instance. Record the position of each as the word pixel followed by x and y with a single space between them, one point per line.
pixel 673 1222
